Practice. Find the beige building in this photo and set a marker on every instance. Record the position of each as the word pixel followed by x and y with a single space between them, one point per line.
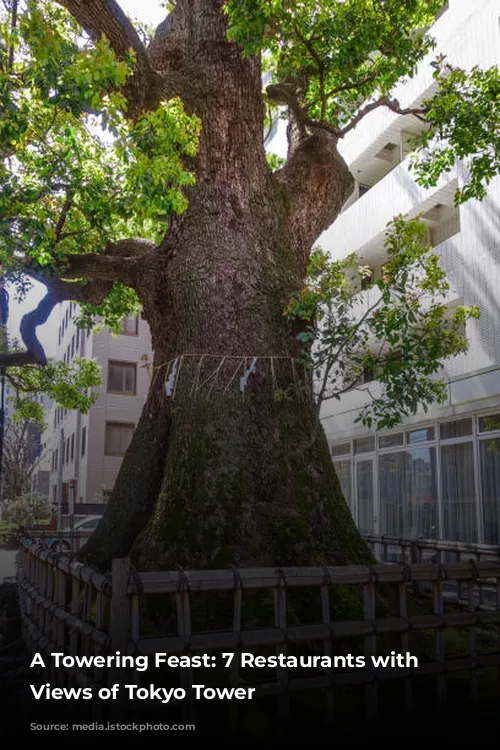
pixel 87 449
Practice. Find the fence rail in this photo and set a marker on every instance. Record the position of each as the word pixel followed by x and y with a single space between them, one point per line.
pixel 52 539
pixel 415 550
pixel 73 609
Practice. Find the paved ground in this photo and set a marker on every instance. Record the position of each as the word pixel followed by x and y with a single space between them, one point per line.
pixel 7 564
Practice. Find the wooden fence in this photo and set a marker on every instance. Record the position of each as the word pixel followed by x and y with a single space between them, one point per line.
pixel 69 608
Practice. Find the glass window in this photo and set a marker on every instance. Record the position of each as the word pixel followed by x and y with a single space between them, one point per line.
pixel 456 429
pixel 489 423
pixel 489 451
pixel 364 445
pixel 72 446
pixel 130 325
pixel 121 377
pixel 408 497
pixel 389 441
pixel 364 490
pixel 118 437
pixel 341 450
pixel 343 471
pixel 420 436
pixel 84 437
pixel 459 494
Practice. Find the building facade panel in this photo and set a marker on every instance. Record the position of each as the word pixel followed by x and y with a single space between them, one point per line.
pixel 438 475
pixel 80 439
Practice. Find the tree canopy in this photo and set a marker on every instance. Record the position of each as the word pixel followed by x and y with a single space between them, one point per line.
pixel 99 132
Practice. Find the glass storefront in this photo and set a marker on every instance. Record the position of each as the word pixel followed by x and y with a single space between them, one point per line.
pixel 437 481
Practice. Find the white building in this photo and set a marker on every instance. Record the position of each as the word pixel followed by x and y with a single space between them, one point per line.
pixel 87 449
pixel 438 475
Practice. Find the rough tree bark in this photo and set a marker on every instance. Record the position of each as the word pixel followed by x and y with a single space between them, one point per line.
pixel 214 476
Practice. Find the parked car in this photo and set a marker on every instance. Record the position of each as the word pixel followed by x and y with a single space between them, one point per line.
pixel 64 543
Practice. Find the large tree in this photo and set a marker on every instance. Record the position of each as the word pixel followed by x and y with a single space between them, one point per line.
pixel 180 212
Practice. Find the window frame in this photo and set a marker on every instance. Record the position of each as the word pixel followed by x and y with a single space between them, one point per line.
pixel 115 425
pixel 124 364
pixel 134 318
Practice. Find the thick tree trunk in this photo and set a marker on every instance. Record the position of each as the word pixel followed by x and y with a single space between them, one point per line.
pixel 241 476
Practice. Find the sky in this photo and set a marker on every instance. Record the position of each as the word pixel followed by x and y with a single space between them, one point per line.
pixel 150 12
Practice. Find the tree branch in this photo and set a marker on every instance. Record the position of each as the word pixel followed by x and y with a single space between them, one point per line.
pixel 172 51
pixel 144 89
pixel 350 86
pixel 118 263
pixel 57 292
pixel 315 183
pixel 383 101
pixel 320 64
pixel 284 93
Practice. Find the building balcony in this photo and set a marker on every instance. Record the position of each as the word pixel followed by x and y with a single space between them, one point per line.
pixel 361 228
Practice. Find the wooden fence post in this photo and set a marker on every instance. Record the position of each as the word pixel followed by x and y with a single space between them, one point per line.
pixel 119 625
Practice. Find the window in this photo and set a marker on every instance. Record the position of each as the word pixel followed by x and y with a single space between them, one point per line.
pixel 489 423
pixel 72 346
pixel 118 437
pixel 130 325
pixel 420 436
pixel 122 377
pixel 408 497
pixel 343 471
pixel 72 446
pixel 77 344
pixel 68 442
pixel 364 445
pixel 84 435
pixel 459 494
pixel 458 428
pixel 341 450
pixel 365 495
pixel 389 441
pixel 489 451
